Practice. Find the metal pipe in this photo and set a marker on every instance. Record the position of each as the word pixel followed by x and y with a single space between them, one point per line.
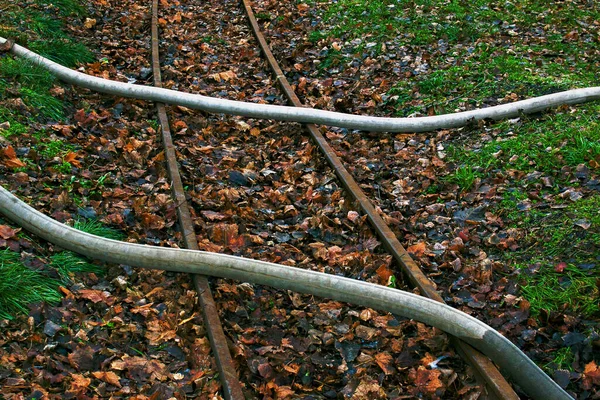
pixel 490 342
pixel 306 115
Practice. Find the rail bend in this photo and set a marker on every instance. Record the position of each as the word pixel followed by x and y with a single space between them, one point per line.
pixel 524 371
pixel 301 114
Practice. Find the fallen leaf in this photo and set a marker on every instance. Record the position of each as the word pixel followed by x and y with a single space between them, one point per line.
pixel 385 361
pixel 582 223
pixel 79 383
pixel 71 158
pixel 6 232
pixel 417 249
pixel 560 267
pixel 427 381
pixel 11 159
pixel 108 377
pixel 95 296
pixel 591 375
pixel 89 23
pixel 353 216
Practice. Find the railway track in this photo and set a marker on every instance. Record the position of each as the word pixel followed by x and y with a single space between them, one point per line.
pixel 222 195
pixel 487 373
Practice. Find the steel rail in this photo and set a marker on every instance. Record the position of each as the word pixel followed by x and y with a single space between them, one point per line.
pixel 303 114
pixel 485 369
pixel 231 387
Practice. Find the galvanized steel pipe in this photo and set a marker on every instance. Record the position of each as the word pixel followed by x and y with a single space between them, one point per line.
pixel 306 115
pixel 523 371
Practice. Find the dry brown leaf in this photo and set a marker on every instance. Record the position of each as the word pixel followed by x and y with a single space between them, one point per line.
pixel 417 249
pixel 71 158
pixel 89 23
pixel 79 383
pixel 591 375
pixel 11 159
pixel 95 296
pixel 108 377
pixel 368 390
pixel 6 232
pixel 426 380
pixel 385 361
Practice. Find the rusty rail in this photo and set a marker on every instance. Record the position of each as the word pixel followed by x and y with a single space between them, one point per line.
pixel 231 386
pixel 486 371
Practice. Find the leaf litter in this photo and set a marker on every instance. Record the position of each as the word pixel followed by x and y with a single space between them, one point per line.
pixel 259 190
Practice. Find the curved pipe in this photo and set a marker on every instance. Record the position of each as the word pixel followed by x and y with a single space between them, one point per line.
pixel 306 115
pixel 524 371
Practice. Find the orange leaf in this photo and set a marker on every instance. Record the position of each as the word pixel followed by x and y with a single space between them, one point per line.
pixel 108 377
pixel 591 375
pixel 384 274
pixel 71 158
pixel 385 360
pixel 426 380
pixel 94 296
pixel 11 158
pixel 6 232
pixel 417 249
pixel 79 382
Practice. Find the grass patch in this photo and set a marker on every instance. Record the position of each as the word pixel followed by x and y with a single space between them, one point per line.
pixel 464 176
pixel 21 286
pixel 94 227
pixel 467 64
pixel 39 26
pixel 544 145
pixel 64 7
pixel 570 236
pixel 68 263
pixel 55 148
pixel 572 290
pixel 563 359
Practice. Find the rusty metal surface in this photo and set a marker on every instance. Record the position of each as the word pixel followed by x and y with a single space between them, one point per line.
pixel 486 371
pixel 231 386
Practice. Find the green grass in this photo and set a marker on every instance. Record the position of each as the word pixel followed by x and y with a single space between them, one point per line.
pixel 464 176
pixel 64 7
pixel 41 29
pixel 54 148
pixel 474 68
pixel 553 237
pixel 68 263
pixel 94 227
pixel 546 145
pixel 563 359
pixel 20 286
pixel 572 291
